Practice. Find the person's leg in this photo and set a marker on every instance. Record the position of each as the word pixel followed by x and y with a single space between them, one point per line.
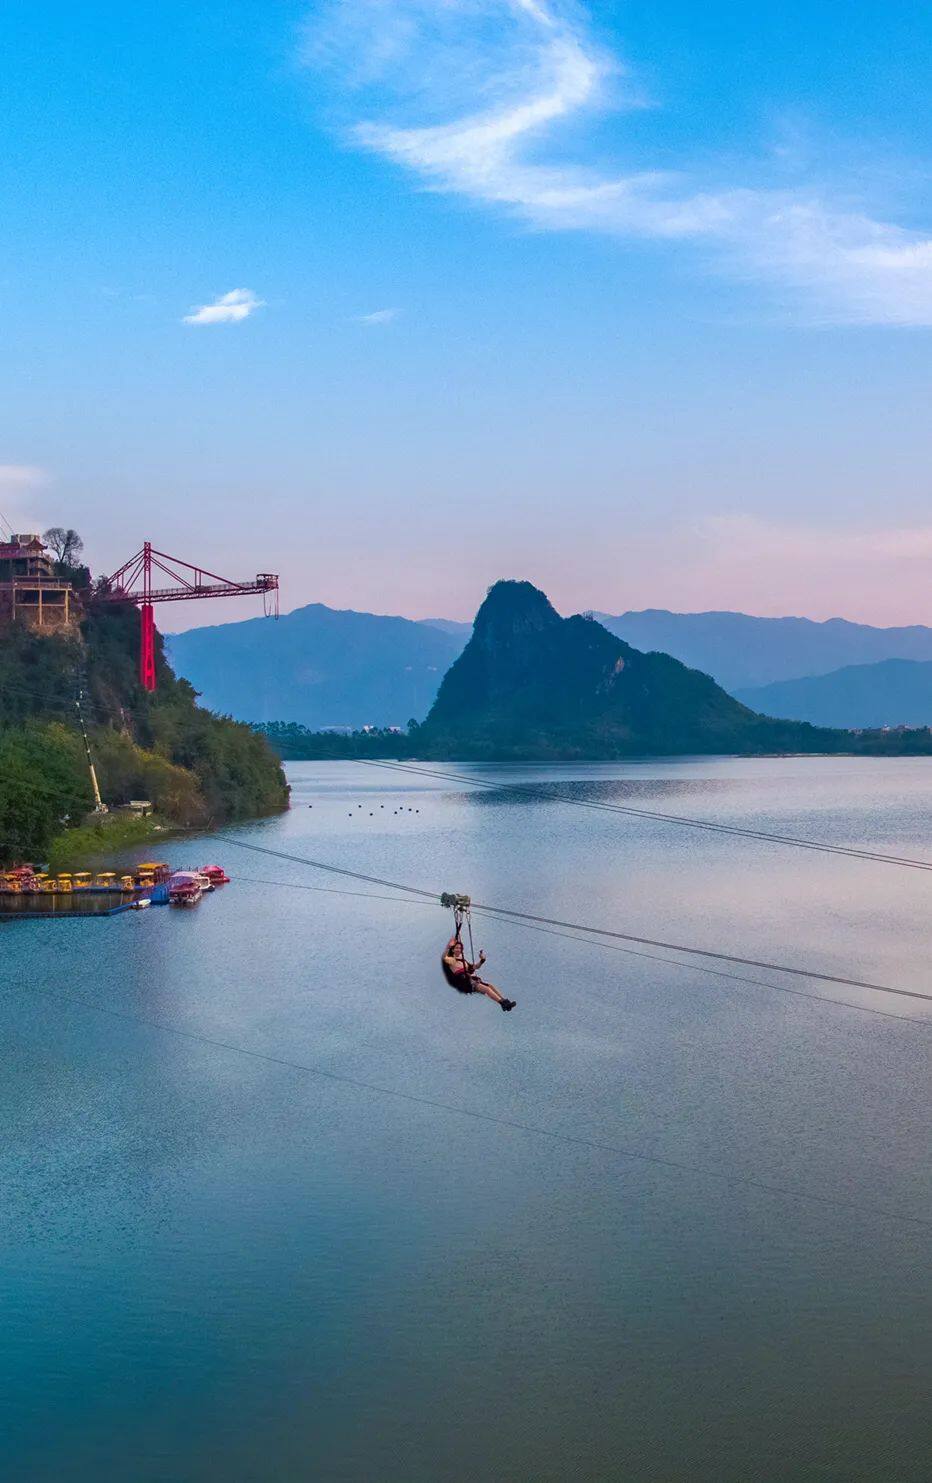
pixel 490 991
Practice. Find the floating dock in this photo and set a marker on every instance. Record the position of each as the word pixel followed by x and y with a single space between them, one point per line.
pixel 32 907
pixel 29 894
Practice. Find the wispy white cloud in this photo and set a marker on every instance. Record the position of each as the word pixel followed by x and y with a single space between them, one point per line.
pixel 18 482
pixel 228 309
pixel 19 476
pixel 517 71
pixel 378 316
pixel 878 574
pixel 747 539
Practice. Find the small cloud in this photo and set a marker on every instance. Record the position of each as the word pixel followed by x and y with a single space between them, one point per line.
pixel 378 316
pixel 228 309
pixel 15 476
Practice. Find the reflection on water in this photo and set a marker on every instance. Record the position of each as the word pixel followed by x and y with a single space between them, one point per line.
pixel 67 904
pixel 221 1268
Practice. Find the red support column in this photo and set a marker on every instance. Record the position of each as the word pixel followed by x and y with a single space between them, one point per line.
pixel 147 646
pixel 147 623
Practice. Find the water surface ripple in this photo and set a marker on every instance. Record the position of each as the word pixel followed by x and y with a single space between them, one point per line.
pixel 217 1268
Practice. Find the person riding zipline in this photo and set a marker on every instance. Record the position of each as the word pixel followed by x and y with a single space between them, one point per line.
pixel 463 975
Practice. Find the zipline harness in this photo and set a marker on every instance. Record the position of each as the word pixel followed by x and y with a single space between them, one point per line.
pixel 462 912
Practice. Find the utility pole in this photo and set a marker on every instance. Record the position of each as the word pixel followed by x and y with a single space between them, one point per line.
pixel 99 806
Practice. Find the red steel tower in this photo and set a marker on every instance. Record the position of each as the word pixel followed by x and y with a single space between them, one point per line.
pixel 133 583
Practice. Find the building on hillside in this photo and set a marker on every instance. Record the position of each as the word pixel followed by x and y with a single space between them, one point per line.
pixel 30 592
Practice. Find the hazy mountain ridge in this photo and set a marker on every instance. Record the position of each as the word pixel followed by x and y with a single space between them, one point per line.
pixel 892 692
pixel 318 666
pixel 740 650
pixel 321 666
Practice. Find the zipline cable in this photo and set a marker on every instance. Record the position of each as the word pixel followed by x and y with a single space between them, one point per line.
pixel 530 790
pixel 737 978
pixel 510 912
pixel 53 702
pixel 374 880
pixel 493 915
pixel 63 794
pixel 435 1104
pixel 253 880
pixel 644 813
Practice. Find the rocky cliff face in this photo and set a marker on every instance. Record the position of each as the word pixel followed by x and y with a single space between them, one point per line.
pixel 531 684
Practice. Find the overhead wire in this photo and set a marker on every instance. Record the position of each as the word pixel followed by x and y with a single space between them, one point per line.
pixel 512 913
pixel 423 897
pixel 633 1155
pixel 54 702
pixel 629 937
pixel 737 978
pixel 710 825
pixel 549 796
pixel 331 891
pixel 494 915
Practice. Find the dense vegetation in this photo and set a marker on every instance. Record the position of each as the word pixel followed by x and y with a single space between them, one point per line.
pixel 531 685
pixel 197 769
pixel 293 742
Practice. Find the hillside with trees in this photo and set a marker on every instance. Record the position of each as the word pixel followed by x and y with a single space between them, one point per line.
pixel 197 769
pixel 532 686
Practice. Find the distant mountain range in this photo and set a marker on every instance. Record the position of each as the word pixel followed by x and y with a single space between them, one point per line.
pixel 322 667
pixel 318 666
pixel 532 686
pixel 740 651
pixel 893 692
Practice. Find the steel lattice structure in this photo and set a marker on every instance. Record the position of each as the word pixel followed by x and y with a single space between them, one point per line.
pixel 133 583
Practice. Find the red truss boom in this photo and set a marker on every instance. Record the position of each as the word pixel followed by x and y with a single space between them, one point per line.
pixel 133 583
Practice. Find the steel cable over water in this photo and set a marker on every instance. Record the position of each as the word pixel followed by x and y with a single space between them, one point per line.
pixel 525 919
pixel 645 813
pixel 739 1181
pixel 703 968
pixel 523 916
pixel 766 836
pixel 513 914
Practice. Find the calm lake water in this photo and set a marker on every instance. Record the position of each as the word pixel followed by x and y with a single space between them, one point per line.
pixel 222 1268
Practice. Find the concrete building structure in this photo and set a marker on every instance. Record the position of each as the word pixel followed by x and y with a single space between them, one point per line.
pixel 30 592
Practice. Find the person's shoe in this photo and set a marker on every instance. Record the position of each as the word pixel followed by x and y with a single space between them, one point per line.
pixel 508 1003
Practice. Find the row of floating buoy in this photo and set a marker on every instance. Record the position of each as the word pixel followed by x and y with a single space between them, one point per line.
pixel 395 811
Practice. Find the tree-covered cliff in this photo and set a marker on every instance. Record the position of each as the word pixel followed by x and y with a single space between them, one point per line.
pixel 198 769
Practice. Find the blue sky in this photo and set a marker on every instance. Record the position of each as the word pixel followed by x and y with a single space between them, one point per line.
pixel 633 300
